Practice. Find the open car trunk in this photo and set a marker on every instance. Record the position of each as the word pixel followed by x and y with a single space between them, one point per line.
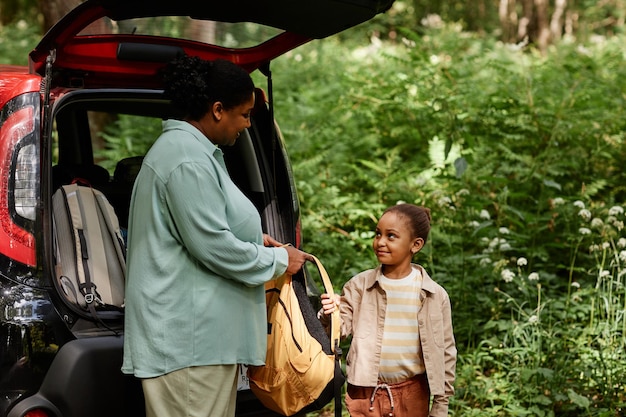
pixel 101 42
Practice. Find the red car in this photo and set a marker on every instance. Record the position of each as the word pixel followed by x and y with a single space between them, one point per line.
pixel 92 77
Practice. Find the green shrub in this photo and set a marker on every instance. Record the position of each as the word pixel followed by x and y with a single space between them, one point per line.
pixel 499 142
pixel 17 39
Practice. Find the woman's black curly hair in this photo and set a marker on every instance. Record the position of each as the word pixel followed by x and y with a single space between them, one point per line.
pixel 194 84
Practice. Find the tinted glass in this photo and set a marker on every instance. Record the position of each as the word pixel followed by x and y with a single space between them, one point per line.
pixel 228 35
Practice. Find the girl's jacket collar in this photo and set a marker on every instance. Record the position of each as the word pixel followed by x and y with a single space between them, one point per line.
pixel 428 284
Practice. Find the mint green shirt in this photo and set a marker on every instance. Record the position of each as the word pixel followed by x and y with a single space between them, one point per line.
pixel 196 262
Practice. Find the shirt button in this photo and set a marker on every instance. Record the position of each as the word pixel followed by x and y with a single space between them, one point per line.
pixel 421 322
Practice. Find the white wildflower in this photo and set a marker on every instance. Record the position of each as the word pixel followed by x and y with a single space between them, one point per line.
pixel 521 261
pixel 622 256
pixel 596 223
pixel 500 244
pixel 484 240
pixel 533 319
pixel 558 201
pixel 579 204
pixel 619 225
pixel 484 214
pixel 621 243
pixel 604 273
pixel 575 284
pixel 474 224
pixel 606 245
pixel 616 210
pixel 504 231
pixel 444 201
pixel 462 191
pixel 585 214
pixel 594 248
pixel 584 231
pixel 432 21
pixel 507 275
pixel 485 261
pixel 533 276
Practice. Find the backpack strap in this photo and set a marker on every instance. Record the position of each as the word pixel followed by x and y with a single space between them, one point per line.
pixel 113 226
pixel 335 320
pixel 335 335
pixel 87 288
pixel 77 211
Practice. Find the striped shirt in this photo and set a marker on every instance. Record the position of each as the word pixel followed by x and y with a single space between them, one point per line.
pixel 401 356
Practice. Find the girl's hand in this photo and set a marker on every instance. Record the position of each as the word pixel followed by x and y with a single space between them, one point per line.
pixel 330 304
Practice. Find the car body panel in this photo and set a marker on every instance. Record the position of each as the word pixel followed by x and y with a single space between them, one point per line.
pixel 16 80
pixel 101 61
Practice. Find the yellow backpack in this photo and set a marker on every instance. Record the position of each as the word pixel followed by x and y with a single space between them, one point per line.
pixel 302 369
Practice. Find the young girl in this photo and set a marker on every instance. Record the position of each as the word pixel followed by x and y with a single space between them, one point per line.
pixel 402 349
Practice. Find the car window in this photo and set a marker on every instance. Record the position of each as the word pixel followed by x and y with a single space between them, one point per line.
pixel 121 136
pixel 228 35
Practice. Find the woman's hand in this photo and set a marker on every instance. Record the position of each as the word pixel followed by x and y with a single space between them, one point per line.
pixel 297 258
pixel 329 304
pixel 270 241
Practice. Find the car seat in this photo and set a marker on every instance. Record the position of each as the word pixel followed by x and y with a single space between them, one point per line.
pixel 85 174
pixel 124 176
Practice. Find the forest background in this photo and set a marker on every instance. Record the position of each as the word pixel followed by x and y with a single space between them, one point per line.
pixel 506 118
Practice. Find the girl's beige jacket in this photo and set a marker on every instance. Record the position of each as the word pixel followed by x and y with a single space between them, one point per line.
pixel 363 306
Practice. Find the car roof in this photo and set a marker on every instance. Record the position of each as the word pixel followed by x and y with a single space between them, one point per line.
pixel 98 43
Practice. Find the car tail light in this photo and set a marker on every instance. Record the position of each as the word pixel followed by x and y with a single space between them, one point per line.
pixel 37 413
pixel 19 177
pixel 298 234
pixel 25 192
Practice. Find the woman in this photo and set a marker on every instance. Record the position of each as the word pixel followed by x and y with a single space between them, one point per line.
pixel 197 257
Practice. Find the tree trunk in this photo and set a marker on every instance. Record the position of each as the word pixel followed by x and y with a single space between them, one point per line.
pixel 542 37
pixel 556 23
pixel 204 31
pixel 525 27
pixel 508 20
pixel 8 10
pixel 53 10
pixel 571 23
